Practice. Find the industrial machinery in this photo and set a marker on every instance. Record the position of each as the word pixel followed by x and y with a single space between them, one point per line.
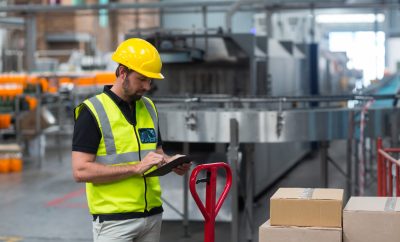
pixel 253 99
pixel 248 100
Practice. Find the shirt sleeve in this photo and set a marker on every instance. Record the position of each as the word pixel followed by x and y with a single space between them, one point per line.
pixel 87 135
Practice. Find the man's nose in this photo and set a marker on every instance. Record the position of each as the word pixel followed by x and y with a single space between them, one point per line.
pixel 147 85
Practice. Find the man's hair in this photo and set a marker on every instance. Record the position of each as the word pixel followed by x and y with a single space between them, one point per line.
pixel 126 69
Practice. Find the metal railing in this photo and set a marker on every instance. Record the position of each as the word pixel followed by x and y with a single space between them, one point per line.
pixel 388 171
pixel 272 99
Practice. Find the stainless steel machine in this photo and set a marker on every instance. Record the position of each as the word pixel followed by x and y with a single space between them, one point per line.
pixel 250 97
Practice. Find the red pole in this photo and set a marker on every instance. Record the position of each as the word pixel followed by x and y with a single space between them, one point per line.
pixel 397 181
pixel 384 177
pixel 209 233
pixel 380 166
pixel 390 170
pixel 392 150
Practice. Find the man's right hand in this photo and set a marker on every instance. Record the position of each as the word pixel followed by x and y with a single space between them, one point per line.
pixel 150 160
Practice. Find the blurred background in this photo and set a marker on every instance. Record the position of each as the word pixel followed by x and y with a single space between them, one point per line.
pixel 288 93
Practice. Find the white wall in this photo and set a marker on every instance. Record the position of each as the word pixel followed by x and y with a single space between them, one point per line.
pixel 393 53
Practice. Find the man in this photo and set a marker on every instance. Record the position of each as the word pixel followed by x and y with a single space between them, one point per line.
pixel 117 140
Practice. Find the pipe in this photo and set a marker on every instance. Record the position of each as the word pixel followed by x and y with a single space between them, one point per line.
pixel 389 157
pixel 34 8
pixel 12 23
pixel 229 15
pixel 277 99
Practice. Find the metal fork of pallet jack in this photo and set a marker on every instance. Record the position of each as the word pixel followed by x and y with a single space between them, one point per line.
pixel 211 209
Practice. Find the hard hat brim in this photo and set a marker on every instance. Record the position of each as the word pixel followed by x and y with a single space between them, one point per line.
pixel 151 74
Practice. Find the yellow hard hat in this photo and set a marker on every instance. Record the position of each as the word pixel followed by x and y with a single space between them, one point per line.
pixel 140 56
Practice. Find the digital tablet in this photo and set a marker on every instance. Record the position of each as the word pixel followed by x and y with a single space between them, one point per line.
pixel 167 168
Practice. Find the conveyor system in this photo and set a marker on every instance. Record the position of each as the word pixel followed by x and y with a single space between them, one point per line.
pixel 271 120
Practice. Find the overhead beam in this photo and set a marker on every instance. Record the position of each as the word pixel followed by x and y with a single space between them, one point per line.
pixel 36 8
pixel 12 23
pixel 32 8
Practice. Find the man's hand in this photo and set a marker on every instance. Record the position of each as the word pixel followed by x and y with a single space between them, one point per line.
pixel 182 169
pixel 150 160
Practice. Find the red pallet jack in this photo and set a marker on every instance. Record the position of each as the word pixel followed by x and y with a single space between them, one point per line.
pixel 211 209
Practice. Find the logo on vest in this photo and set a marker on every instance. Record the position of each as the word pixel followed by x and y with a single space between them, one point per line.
pixel 147 136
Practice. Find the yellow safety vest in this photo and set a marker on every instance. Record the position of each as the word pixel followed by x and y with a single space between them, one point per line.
pixel 122 143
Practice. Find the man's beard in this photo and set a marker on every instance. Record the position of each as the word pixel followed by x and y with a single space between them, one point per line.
pixel 125 85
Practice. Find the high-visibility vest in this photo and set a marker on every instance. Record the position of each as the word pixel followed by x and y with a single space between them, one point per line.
pixel 123 143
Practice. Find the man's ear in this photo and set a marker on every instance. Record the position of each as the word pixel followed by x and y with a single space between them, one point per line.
pixel 122 71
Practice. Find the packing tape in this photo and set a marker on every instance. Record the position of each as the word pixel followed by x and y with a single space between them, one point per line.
pixel 390 204
pixel 307 193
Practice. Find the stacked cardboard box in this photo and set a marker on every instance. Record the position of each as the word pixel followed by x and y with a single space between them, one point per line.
pixel 372 219
pixel 304 215
pixel 268 233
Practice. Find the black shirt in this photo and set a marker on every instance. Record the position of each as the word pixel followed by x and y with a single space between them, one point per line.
pixel 87 133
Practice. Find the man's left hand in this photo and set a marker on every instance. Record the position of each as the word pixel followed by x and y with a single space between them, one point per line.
pixel 182 169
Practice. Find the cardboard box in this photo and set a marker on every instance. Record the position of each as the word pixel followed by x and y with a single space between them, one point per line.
pixel 27 121
pixel 372 219
pixel 307 207
pixel 268 233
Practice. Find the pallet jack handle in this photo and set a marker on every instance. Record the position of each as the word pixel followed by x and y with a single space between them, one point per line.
pixel 211 209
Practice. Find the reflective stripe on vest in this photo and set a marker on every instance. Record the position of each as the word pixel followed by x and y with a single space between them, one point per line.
pixel 152 112
pixel 105 126
pixel 121 158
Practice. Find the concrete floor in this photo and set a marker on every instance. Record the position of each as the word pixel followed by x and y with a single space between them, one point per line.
pixel 47 205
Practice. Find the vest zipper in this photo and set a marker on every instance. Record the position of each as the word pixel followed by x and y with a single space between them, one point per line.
pixel 144 178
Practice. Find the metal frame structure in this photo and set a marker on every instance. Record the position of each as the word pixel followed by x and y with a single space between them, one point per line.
pixel 231 7
pixel 36 8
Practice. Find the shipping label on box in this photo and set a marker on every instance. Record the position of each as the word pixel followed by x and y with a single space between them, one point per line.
pixel 372 219
pixel 268 233
pixel 307 207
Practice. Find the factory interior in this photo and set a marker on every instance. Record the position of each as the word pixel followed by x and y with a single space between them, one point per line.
pixel 295 100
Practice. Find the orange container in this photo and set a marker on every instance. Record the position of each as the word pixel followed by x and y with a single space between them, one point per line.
pixel 16 164
pixel 5 121
pixel 4 164
pixel 65 80
pixel 32 102
pixel 85 81
pixel 45 84
pixel 104 78
pixel 52 90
